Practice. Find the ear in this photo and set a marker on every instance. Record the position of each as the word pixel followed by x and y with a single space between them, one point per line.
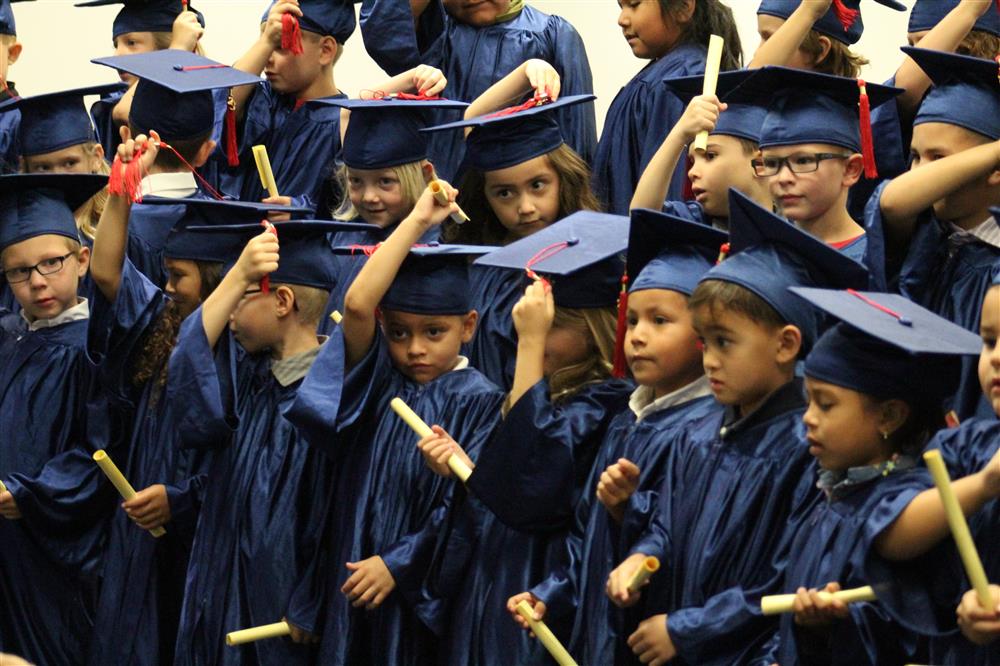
pixel 204 153
pixel 329 49
pixel 83 260
pixel 994 178
pixel 789 340
pixel 98 155
pixel 469 326
pixel 853 168
pixel 892 415
pixel 14 52
pixel 685 13
pixel 284 299
pixel 824 49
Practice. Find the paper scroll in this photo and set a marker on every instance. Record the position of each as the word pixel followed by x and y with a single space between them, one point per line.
pixel 545 636
pixel 784 603
pixel 648 567
pixel 455 464
pixel 713 63
pixel 124 488
pixel 258 633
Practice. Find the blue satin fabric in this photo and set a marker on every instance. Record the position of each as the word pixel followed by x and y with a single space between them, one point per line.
pixel 493 292
pixel 639 119
pixel 10 149
pixel 107 130
pixel 473 59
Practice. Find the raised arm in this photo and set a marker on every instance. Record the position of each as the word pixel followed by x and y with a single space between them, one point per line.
pixel 424 79
pixel 255 59
pixel 533 316
pixel 779 48
pixel 533 75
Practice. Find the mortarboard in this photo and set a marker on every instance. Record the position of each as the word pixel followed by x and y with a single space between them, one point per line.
pixel 739 120
pixel 966 91
pixel 668 252
pixel 926 14
pixel 144 15
pixel 7 25
pixel 56 120
pixel 771 255
pixel 386 132
pixel 842 23
pixel 334 18
pixel 38 204
pixel 887 346
pixel 511 136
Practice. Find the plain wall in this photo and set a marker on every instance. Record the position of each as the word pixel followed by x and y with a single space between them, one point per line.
pixel 60 39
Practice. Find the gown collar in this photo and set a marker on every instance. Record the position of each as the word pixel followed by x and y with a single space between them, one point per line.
pixel 79 311
pixel 789 397
pixel 643 405
pixel 290 370
pixel 838 483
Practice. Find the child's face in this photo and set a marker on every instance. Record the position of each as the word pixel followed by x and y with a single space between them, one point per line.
pixel 989 357
pixel 804 197
pixel 767 25
pixel 722 165
pixel 524 197
pixel 648 32
pixel 293 74
pixel 933 141
pixel 73 159
pixel 183 284
pixel 377 195
pixel 661 346
pixel 564 347
pixel 254 323
pixel 131 43
pixel 842 427
pixel 424 347
pixel 44 296
pixel 476 13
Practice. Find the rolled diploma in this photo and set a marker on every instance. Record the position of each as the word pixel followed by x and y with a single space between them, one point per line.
pixel 712 64
pixel 442 198
pixel 959 528
pixel 258 633
pixel 3 488
pixel 545 636
pixel 648 567
pixel 336 317
pixel 455 464
pixel 784 603
pixel 124 488
pixel 264 169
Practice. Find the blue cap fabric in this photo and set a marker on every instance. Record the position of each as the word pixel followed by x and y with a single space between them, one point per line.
pixel 582 253
pixel 771 255
pixel 38 204
pixel 174 95
pixel 57 120
pixel 334 18
pixel 884 343
pixel 926 14
pixel 966 91
pixel 739 120
pixel 500 140
pixel 7 25
pixel 144 15
pixel 829 24
pixel 668 252
pixel 386 132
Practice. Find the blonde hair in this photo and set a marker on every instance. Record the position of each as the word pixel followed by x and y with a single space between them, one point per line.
pixel 89 214
pixel 598 326
pixel 839 60
pixel 310 303
pixel 161 42
pixel 411 182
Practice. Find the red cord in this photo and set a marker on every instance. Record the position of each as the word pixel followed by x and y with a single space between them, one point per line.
pixel 881 308
pixel 537 100
pixel 618 366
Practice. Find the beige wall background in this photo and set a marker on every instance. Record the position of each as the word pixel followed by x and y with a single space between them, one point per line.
pixel 60 39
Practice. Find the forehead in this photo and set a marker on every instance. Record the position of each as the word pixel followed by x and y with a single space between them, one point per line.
pixel 411 320
pixel 34 249
pixel 657 299
pixel 802 148
pixel 527 170
pixel 58 155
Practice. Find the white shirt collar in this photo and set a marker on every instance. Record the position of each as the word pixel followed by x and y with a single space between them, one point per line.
pixel 643 405
pixel 169 185
pixel 79 311
pixel 988 232
pixel 463 363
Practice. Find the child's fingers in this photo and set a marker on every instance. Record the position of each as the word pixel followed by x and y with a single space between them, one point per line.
pixel 628 468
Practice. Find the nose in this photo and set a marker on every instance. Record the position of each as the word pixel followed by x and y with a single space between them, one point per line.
pixel 623 20
pixel 809 418
pixel 784 174
pixel 709 360
pixel 37 280
pixel 370 195
pixel 526 204
pixel 694 173
pixel 416 348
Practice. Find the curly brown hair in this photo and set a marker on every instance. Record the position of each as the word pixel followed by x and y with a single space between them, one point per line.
pixel 839 61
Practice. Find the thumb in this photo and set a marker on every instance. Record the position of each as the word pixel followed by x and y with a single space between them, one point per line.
pixel 628 467
pixel 352 566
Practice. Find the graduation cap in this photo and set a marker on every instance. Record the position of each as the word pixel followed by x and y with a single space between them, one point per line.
pixel 668 252
pixel 926 14
pixel 504 138
pixel 145 15
pixel 57 120
pixel 966 91
pixel 38 204
pixel 334 18
pixel 7 25
pixel 739 120
pixel 887 346
pixel 841 22
pixel 386 132
pixel 772 255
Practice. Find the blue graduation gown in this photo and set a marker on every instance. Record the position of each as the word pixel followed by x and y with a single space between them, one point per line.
pixel 575 590
pixel 639 119
pixel 493 293
pixel 527 482
pixel 473 59
pixel 891 139
pixel 10 149
pixel 266 492
pixel 107 130
pixel 140 601
pixel 148 227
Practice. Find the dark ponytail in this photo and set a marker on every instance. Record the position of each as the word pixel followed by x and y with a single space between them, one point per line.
pixel 710 17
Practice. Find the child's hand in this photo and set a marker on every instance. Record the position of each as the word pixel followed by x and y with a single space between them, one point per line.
pixel 186 32
pixel 259 258
pixel 438 448
pixel 979 625
pixel 429 81
pixel 991 475
pixel 279 201
pixel 651 641
pixel 428 212
pixel 701 115
pixel 128 147
pixel 619 578
pixel 271 30
pixel 616 485
pixel 8 506
pixel 533 314
pixel 543 78
pixel 150 507
pixel 370 583
pixel 299 635
pixel 536 604
pixel 812 610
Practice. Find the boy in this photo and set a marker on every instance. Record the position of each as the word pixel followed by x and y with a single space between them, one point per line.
pixel 739 475
pixel 10 51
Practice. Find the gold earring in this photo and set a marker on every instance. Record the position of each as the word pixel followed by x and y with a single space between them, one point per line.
pixel 885 436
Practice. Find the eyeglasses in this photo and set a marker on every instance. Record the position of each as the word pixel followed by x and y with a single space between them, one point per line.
pixel 44 267
pixel 798 163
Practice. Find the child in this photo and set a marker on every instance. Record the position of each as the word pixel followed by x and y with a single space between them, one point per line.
pixel 10 51
pixel 734 135
pixel 978 34
pixel 717 524
pixel 937 214
pixel 673 35
pixel 495 37
pixel 51 534
pixel 666 256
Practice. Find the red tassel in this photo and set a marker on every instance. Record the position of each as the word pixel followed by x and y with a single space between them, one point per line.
pixel 265 282
pixel 232 151
pixel 291 34
pixel 125 178
pixel 846 15
pixel 618 369
pixel 867 143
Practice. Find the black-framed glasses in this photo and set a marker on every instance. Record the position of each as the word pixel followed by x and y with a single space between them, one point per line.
pixel 798 163
pixel 44 267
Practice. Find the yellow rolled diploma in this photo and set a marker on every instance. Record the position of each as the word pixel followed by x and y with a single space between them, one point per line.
pixel 258 633
pixel 545 636
pixel 959 528
pixel 124 488
pixel 3 488
pixel 442 198
pixel 336 317
pixel 455 464
pixel 776 604
pixel 648 567
pixel 713 62
pixel 264 169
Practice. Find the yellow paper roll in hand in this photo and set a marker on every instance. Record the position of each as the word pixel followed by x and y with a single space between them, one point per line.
pixel 264 170
pixel 116 478
pixel 545 636
pixel 785 603
pixel 3 488
pixel 959 528
pixel 713 63
pixel 336 317
pixel 442 198
pixel 648 567
pixel 258 633
pixel 455 464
